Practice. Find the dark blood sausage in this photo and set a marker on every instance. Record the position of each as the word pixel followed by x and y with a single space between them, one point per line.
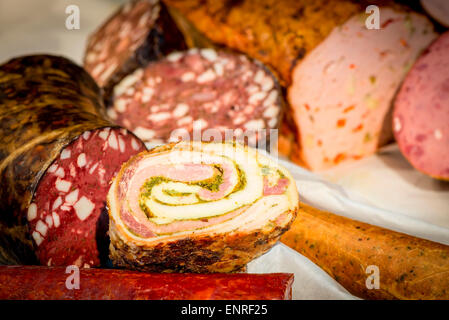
pixel 40 283
pixel 57 156
pixel 351 251
pixel 196 90
pixel 421 113
pixel 139 32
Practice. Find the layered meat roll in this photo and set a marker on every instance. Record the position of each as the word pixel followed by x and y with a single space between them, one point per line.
pixel 198 207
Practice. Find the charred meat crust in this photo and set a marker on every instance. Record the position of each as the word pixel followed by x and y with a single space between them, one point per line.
pixel 228 252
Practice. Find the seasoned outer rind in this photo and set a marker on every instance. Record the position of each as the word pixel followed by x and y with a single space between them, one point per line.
pixel 46 102
pixel 44 283
pixel 198 254
pixel 67 218
pixel 342 92
pixel 409 267
pixel 421 112
pixel 221 248
pixel 157 36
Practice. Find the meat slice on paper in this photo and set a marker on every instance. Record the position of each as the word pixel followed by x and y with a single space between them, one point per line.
pixel 198 207
pixel 342 92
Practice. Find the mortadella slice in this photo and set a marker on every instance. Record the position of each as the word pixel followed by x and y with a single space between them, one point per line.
pixel 342 91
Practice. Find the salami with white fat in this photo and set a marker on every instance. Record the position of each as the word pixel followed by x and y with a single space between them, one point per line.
pixel 197 90
pixel 57 156
pixel 138 32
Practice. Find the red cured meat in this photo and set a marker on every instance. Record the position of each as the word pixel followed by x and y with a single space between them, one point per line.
pixel 39 283
pixel 65 219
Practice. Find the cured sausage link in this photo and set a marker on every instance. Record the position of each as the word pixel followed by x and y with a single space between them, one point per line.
pixel 57 154
pixel 339 96
pixel 350 251
pixel 42 283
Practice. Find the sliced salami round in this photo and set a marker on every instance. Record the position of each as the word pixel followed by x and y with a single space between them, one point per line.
pixel 138 32
pixel 200 90
pixel 421 114
pixel 57 156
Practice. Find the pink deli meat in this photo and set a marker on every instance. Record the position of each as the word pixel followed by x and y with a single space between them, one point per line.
pixel 421 114
pixel 342 91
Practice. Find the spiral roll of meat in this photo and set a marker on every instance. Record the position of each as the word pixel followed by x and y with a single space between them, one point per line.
pixel 198 207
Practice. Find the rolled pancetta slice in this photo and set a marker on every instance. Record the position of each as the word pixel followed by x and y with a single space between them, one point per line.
pixel 198 207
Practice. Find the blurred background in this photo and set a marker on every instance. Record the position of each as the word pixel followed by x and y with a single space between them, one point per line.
pixel 28 26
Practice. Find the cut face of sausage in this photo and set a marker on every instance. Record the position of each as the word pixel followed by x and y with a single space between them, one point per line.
pixel 421 114
pixel 58 152
pixel 342 91
pixel 199 90
pixel 65 218
pixel 198 207
pixel 410 268
pixel 140 31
